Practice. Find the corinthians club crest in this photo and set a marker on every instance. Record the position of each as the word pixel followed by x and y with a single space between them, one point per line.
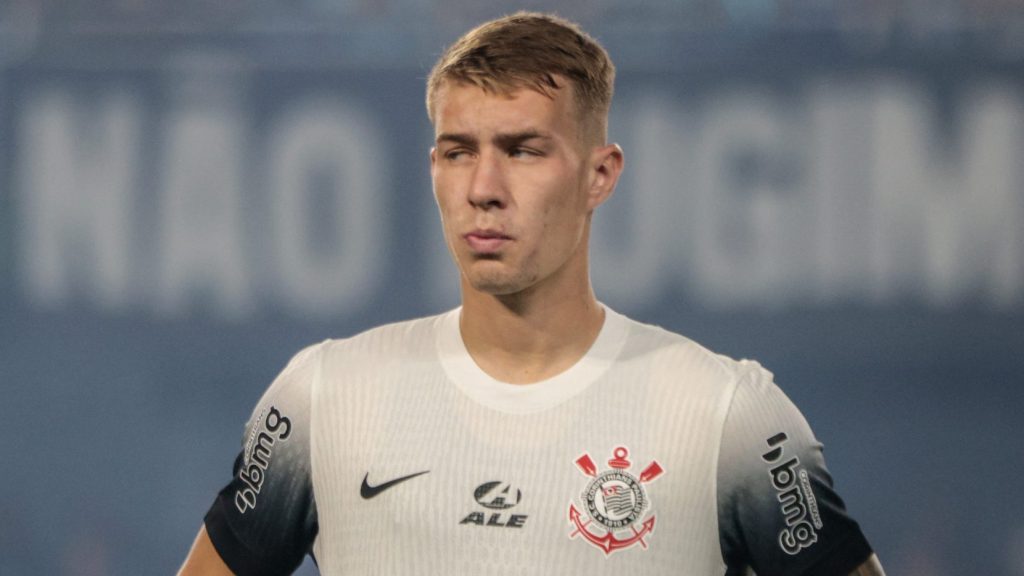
pixel 613 503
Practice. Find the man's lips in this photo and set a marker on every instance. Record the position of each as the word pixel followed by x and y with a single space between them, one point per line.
pixel 486 241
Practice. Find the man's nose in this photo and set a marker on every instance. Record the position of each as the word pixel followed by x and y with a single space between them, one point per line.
pixel 487 187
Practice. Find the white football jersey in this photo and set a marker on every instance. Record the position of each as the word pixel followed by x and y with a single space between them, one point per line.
pixel 393 453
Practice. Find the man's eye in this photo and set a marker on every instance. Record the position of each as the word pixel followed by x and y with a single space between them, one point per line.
pixel 522 152
pixel 455 154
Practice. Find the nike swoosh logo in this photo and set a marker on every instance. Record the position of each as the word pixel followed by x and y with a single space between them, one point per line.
pixel 367 491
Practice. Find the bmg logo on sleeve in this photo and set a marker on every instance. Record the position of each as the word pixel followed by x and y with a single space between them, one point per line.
pixel 793 490
pixel 257 455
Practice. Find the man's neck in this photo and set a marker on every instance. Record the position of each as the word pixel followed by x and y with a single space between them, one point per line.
pixel 526 338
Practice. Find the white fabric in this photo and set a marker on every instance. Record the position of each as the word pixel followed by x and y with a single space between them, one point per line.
pixel 406 398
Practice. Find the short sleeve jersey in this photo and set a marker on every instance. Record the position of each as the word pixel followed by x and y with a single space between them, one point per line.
pixel 392 452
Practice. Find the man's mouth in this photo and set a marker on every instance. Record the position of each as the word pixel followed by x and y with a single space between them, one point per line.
pixel 485 241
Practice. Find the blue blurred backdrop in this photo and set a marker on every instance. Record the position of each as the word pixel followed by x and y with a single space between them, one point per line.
pixel 191 191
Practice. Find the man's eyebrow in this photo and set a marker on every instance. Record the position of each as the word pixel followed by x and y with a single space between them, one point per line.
pixel 509 140
pixel 464 139
pixel 502 140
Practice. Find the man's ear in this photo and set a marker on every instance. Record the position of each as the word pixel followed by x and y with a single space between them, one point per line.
pixel 606 164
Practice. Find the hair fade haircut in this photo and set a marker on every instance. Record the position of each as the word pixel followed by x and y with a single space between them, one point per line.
pixel 528 50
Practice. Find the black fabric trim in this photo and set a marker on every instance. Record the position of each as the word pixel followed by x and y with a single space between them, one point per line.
pixel 843 557
pixel 238 557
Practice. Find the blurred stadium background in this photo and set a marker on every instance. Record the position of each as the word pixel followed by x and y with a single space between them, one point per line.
pixel 191 191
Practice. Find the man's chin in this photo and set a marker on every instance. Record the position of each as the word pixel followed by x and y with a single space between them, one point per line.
pixel 495 284
pixel 495 288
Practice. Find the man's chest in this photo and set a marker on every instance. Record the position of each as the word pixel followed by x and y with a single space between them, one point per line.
pixel 432 485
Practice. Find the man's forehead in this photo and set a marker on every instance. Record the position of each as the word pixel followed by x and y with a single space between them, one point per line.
pixel 463 102
pixel 508 86
pixel 464 91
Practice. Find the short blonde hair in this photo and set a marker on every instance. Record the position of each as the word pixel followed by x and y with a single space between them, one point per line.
pixel 528 50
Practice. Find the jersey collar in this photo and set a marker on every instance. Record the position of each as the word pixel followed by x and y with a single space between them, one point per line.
pixel 479 386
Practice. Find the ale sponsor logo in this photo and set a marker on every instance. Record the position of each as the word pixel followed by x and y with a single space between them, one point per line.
pixel 497 497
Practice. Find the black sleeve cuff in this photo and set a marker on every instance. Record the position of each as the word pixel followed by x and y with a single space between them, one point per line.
pixel 843 557
pixel 238 557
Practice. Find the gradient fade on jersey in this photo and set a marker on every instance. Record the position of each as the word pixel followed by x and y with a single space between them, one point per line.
pixel 406 398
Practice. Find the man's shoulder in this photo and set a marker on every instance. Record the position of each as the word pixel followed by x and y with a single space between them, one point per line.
pixel 675 351
pixel 405 338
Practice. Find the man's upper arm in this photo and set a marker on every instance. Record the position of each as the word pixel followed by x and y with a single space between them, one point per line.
pixel 203 559
pixel 871 567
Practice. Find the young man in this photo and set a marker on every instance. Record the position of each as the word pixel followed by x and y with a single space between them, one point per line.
pixel 532 430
